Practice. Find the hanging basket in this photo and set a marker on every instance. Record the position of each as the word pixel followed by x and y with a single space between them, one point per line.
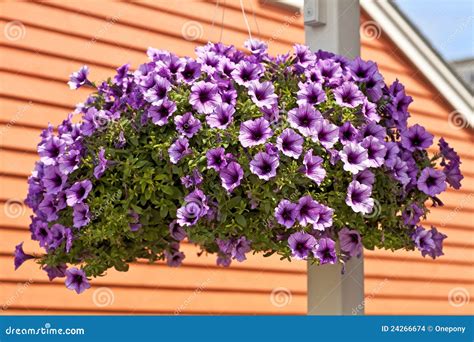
pixel 307 156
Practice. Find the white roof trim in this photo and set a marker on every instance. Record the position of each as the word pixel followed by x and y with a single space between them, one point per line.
pixel 420 54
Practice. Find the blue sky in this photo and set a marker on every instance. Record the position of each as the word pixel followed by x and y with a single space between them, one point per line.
pixel 448 24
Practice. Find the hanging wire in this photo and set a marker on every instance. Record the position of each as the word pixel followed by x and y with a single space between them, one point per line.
pixel 245 18
pixel 254 17
pixel 222 22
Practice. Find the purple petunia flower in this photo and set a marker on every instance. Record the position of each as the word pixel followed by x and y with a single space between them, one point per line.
pixel 69 161
pixel 190 72
pixel 192 180
pixel 325 133
pixel 189 214
pixel 79 78
pixel 55 271
pixel 324 218
pixel 301 244
pixel 285 213
pixel 392 153
pixel 331 72
pixel 431 181
pixel 262 94
pixel 254 132
pixel 50 149
pixel 239 248
pixel 134 223
pixel 326 251
pixel 264 165
pixel 231 176
pixel 76 280
pixel 21 256
pixel 102 165
pixel 447 152
pixel 416 138
pixel 310 93
pixel 222 116
pixel 453 174
pixel 58 235
pixel 361 70
pixel 255 46
pixel 376 151
pixel 47 208
pixel 245 72
pixel 358 197
pixel 80 215
pixel 204 97
pixel 174 258
pixel 412 214
pixel 348 95
pixel 347 133
pixel 307 210
pixel 304 118
pixel 400 171
pixel 366 177
pixel 429 242
pixel 290 143
pixel 187 124
pixel 179 149
pixel 160 111
pixel 372 129
pixel 78 192
pixel 312 167
pixel 354 157
pixel 53 180
pixel 303 55
pixel 216 158
pixel 350 241
pixel 158 91
pixel 176 231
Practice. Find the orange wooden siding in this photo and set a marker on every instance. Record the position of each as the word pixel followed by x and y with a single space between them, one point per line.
pixel 61 36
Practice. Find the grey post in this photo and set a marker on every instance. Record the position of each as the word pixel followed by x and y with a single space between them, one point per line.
pixel 333 25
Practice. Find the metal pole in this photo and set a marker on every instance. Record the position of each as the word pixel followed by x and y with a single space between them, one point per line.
pixel 333 25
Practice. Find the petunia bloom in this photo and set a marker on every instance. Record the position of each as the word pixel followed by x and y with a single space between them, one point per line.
pixel 179 149
pixel 231 176
pixel 326 251
pixel 254 132
pixel 290 143
pixel 76 280
pixel 304 118
pixel 307 210
pixel 312 167
pixel 78 192
pixel 204 97
pixel 301 244
pixel 348 95
pixel 358 197
pixel 285 213
pixel 262 94
pixel 79 78
pixel 222 116
pixel 416 138
pixel 431 181
pixel 351 241
pixel 354 157
pixel 264 165
pixel 21 256
pixel 187 124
